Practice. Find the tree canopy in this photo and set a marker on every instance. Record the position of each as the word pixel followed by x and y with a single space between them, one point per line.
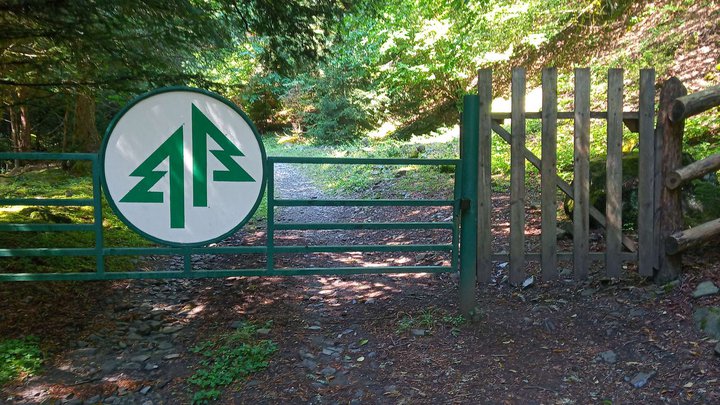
pixel 334 70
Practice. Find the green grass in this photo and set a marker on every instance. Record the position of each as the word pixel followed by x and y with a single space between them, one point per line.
pixel 430 319
pixel 228 359
pixel 53 182
pixel 19 358
pixel 373 181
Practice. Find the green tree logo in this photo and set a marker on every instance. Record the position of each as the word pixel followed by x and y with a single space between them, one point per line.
pixel 172 150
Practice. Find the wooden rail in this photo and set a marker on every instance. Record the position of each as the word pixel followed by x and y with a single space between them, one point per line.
pixel 693 104
pixel 661 237
pixel 695 170
pixel 675 106
pixel 696 236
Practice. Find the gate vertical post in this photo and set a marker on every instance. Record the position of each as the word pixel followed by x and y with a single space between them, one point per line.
pixel 98 217
pixel 668 203
pixel 468 199
pixel 484 191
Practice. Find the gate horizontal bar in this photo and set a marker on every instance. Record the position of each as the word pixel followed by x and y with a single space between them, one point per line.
pixel 221 273
pixel 47 156
pixel 36 252
pixel 362 270
pixel 363 203
pixel 46 227
pixel 170 251
pixel 58 202
pixel 363 248
pixel 361 161
pixel 361 225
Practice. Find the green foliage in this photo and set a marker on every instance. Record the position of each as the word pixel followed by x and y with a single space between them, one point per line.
pixel 228 359
pixel 19 357
pixel 430 319
pixel 56 55
pixel 703 203
pixel 53 182
pixel 390 181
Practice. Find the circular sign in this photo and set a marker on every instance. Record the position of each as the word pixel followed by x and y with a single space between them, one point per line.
pixel 183 166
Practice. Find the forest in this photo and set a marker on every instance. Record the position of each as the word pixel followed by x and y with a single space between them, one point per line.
pixel 228 321
pixel 326 71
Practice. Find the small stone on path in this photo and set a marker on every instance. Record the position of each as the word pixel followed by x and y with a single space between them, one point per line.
pixel 641 379
pixel 309 364
pixel 704 289
pixel 165 345
pixel 132 366
pixel 418 332
pixel 140 358
pixel 707 319
pixel 171 329
pixel 608 357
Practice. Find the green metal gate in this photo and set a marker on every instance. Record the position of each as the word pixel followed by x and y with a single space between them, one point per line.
pixel 463 224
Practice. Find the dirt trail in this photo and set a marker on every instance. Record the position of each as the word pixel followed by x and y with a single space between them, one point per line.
pixel 376 338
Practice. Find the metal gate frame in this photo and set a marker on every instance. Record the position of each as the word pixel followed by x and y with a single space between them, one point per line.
pixel 463 225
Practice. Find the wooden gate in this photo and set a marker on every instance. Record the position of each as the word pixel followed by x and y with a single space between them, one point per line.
pixel 619 247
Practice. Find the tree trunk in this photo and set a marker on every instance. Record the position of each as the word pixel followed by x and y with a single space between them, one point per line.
pixel 12 114
pixel 85 133
pixel 20 126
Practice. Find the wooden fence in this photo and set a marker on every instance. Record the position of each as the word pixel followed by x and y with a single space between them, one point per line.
pixel 672 239
pixel 646 250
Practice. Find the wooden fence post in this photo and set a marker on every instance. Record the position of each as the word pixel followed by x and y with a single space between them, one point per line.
pixel 668 155
pixel 613 188
pixel 581 177
pixel 484 249
pixel 517 179
pixel 646 173
pixel 548 175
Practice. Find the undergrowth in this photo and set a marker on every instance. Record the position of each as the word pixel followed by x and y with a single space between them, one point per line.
pixel 228 359
pixel 430 319
pixel 53 182
pixel 19 358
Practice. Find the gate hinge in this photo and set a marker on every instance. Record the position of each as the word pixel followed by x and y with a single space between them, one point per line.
pixel 464 204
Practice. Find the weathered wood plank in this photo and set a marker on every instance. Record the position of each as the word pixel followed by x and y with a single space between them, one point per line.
pixel 613 188
pixel 646 173
pixel 581 176
pixel 668 157
pixel 484 264
pixel 695 236
pixel 692 104
pixel 517 178
pixel 694 170
pixel 535 256
pixel 565 115
pixel 564 186
pixel 548 175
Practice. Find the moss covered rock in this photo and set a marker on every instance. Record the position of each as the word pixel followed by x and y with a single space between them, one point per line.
pixel 700 198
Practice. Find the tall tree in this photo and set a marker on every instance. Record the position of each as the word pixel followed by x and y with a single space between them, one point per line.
pixel 77 48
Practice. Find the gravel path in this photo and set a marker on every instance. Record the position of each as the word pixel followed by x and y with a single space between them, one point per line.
pixel 134 350
pixel 388 339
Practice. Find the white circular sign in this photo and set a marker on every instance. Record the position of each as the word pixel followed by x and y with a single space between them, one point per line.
pixel 183 166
